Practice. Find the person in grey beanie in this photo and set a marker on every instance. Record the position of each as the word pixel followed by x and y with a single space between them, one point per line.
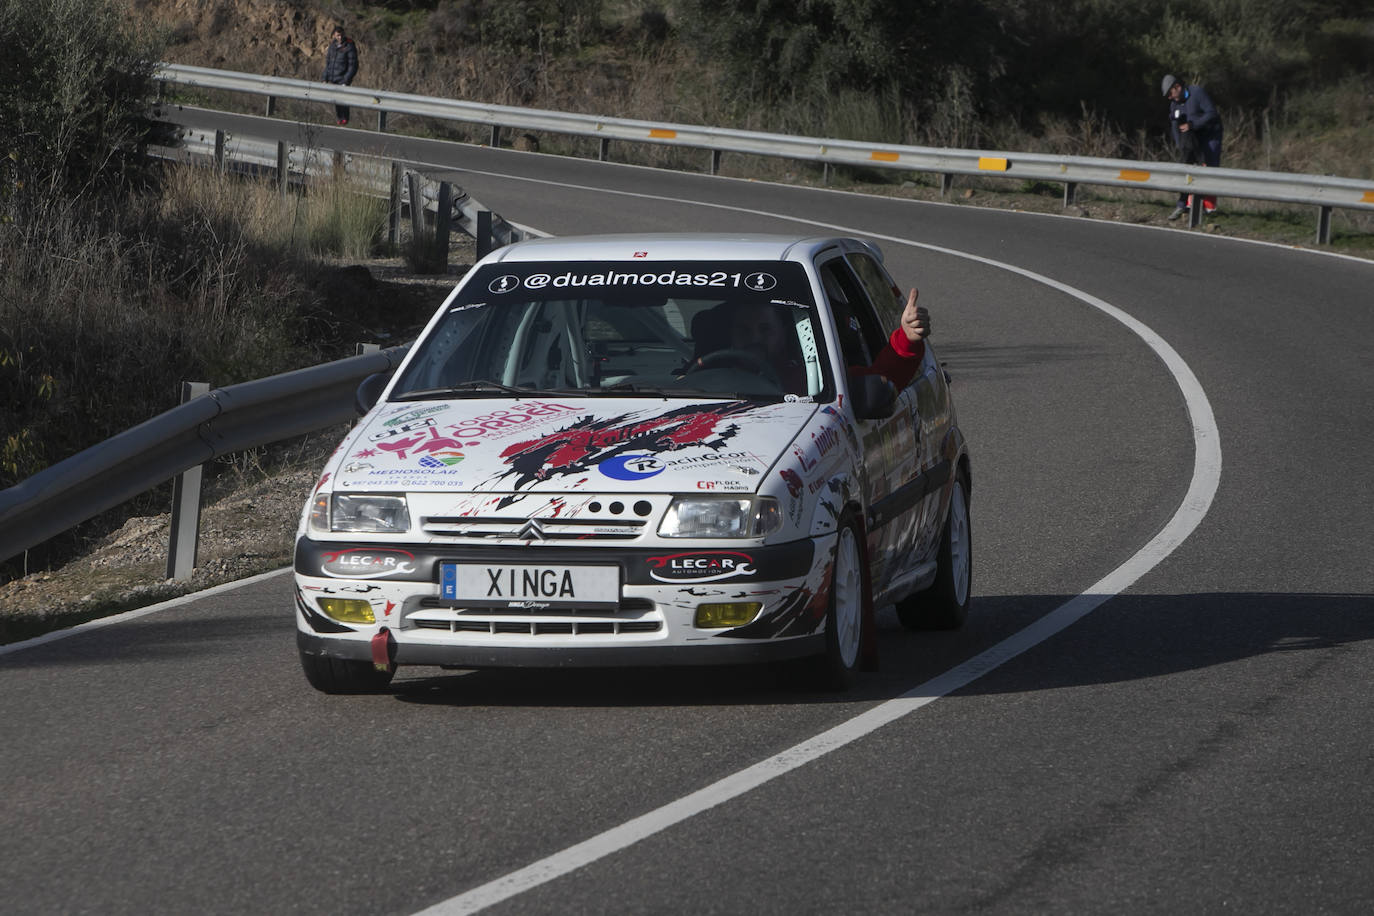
pixel 1196 128
pixel 340 66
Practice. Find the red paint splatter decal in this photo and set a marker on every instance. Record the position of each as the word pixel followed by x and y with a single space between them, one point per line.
pixel 577 448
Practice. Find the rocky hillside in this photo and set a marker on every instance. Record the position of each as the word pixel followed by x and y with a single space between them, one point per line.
pixel 273 37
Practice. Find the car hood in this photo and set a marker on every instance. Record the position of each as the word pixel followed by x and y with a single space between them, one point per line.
pixel 526 445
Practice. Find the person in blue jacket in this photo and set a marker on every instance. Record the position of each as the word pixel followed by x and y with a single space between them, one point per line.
pixel 1196 128
pixel 340 66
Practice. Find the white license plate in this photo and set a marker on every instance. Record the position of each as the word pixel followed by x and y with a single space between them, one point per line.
pixel 533 587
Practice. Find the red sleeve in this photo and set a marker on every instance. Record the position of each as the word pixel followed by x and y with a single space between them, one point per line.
pixel 898 362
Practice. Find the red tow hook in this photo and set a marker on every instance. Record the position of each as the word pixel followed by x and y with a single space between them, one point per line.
pixel 383 650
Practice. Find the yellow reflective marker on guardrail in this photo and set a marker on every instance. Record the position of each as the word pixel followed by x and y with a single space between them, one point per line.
pixel 881 156
pixel 992 164
pixel 1368 197
pixel 661 134
pixel 1134 175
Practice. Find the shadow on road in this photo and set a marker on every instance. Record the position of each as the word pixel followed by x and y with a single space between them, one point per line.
pixel 1128 638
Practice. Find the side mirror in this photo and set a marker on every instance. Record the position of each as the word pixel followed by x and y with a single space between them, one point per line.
pixel 874 397
pixel 369 391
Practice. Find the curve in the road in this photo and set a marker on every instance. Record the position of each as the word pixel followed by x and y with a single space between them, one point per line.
pixel 1197 500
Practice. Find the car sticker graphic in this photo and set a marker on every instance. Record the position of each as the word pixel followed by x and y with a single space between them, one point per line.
pixel 576 448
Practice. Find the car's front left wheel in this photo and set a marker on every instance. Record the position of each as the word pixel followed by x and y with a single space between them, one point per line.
pixel 344 675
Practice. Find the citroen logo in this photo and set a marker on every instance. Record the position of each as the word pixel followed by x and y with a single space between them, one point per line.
pixel 532 531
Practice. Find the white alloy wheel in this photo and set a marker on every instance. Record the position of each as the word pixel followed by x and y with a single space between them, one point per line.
pixel 945 604
pixel 848 599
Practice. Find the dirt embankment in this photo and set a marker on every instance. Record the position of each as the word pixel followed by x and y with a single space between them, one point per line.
pixel 270 37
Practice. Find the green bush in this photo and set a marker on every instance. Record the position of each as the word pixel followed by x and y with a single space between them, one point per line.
pixel 73 91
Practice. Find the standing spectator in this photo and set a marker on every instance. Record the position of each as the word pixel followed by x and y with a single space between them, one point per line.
pixel 340 66
pixel 1196 126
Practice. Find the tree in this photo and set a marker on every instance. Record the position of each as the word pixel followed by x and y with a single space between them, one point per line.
pixel 75 87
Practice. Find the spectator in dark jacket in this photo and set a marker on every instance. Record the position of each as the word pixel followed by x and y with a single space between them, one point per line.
pixel 340 66
pixel 1196 128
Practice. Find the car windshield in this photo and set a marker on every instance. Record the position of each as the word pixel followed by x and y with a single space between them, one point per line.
pixel 731 329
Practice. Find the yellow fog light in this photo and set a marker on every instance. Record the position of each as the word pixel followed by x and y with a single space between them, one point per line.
pixel 347 610
pixel 736 614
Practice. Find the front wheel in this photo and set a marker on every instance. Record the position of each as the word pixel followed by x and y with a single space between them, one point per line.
pixel 944 605
pixel 844 618
pixel 344 675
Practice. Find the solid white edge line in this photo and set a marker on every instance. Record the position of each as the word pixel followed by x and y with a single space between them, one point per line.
pixel 138 612
pixel 1196 501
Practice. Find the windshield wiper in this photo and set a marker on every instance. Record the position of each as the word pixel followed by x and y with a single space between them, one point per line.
pixel 695 393
pixel 477 386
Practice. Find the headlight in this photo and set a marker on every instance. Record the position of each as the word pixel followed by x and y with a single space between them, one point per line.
pixel 355 512
pixel 694 517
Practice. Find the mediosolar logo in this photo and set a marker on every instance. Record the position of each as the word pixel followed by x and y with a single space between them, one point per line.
pixel 441 460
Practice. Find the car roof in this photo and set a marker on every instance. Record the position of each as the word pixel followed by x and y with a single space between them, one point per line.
pixel 674 246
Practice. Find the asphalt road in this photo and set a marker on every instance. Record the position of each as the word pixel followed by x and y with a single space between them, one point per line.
pixel 1201 742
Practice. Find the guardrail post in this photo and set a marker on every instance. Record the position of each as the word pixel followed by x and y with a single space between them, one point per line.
pixel 283 166
pixel 1194 211
pixel 1070 193
pixel 219 150
pixel 1323 225
pixel 185 533
pixel 337 166
pixel 381 122
pixel 443 216
pixel 393 217
pixel 946 184
pixel 715 162
pixel 603 148
pixel 417 207
pixel 484 240
pixel 495 136
pixel 271 106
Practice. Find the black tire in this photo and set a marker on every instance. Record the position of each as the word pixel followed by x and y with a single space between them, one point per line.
pixel 838 666
pixel 945 604
pixel 344 675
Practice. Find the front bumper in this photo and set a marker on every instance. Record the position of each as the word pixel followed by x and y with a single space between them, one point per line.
pixel 654 623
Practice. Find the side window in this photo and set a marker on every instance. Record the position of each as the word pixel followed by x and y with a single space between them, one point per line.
pixel 884 293
pixel 861 336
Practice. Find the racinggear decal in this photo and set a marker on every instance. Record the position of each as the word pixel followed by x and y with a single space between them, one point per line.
pixel 632 467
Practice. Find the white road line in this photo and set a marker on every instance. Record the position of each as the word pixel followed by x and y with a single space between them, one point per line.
pixel 1196 502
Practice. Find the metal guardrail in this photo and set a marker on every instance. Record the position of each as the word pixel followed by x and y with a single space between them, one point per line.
pixel 222 421
pixel 372 174
pixel 1323 192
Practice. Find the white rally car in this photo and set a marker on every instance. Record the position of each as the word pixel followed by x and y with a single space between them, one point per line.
pixel 642 450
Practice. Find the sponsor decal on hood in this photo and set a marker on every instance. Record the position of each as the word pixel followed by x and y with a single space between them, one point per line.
pixel 613 445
